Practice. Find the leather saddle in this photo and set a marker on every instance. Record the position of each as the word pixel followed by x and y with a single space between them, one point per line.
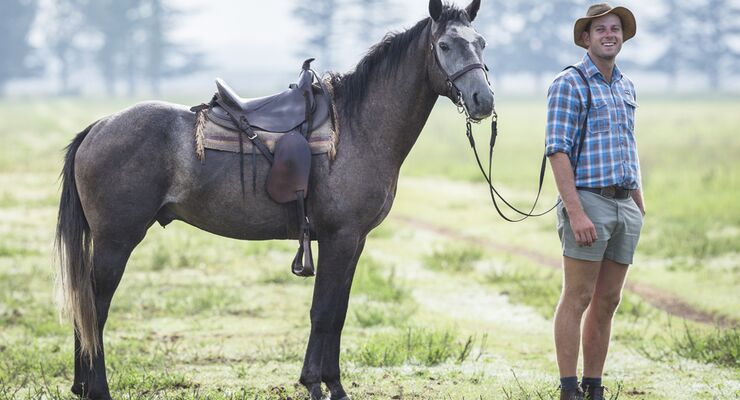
pixel 295 112
pixel 282 112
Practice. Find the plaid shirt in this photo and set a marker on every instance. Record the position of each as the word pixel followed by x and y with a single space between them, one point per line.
pixel 609 155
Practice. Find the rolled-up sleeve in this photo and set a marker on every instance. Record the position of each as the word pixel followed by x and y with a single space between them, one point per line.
pixel 563 108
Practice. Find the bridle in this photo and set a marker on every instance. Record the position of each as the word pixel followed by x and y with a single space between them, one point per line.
pixel 452 87
pixel 463 109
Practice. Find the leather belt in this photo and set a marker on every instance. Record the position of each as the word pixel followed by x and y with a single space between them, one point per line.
pixel 611 192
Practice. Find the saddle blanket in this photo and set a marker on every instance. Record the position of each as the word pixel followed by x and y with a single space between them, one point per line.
pixel 210 135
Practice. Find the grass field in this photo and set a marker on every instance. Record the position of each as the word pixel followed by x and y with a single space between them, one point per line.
pixel 449 301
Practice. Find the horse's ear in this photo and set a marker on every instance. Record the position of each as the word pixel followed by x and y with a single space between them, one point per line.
pixel 472 9
pixel 435 9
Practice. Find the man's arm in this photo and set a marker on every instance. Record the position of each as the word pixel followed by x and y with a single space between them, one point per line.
pixel 580 223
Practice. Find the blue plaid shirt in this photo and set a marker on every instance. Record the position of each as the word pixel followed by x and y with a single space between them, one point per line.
pixel 609 155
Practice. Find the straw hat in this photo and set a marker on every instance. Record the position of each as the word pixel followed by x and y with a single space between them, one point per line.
pixel 629 26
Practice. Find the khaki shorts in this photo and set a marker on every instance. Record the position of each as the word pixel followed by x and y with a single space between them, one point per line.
pixel 618 224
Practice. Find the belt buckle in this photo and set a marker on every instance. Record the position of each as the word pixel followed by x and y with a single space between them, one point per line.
pixel 609 191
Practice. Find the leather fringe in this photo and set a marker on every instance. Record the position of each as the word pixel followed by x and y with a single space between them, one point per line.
pixel 335 119
pixel 200 125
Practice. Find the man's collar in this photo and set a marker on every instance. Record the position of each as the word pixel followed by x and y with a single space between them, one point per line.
pixel 592 70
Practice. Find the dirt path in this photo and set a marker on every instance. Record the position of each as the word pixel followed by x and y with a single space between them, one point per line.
pixel 655 297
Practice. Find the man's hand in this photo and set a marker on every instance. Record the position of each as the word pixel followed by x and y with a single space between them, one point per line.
pixel 583 229
pixel 637 198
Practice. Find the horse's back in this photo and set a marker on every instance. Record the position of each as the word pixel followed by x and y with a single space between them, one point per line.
pixel 139 166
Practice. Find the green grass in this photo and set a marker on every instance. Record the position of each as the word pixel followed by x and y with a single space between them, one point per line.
pixel 431 316
pixel 526 284
pixel 720 346
pixel 521 391
pixel 370 281
pixel 454 259
pixel 415 346
pixel 376 313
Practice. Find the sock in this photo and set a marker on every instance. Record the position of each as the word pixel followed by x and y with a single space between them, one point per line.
pixel 569 383
pixel 591 382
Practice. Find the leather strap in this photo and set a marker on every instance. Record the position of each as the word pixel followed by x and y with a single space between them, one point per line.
pixel 243 124
pixel 611 192
pixel 584 127
pixel 463 71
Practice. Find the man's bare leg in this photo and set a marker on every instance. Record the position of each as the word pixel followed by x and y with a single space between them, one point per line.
pixel 598 322
pixel 579 281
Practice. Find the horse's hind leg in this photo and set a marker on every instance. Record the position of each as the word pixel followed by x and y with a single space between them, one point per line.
pixel 109 260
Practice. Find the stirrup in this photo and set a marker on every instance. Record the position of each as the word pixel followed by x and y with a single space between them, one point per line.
pixel 303 260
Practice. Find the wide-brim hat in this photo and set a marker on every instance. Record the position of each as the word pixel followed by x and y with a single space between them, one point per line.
pixel 629 26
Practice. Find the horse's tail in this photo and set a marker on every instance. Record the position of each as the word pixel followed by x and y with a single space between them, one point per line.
pixel 73 245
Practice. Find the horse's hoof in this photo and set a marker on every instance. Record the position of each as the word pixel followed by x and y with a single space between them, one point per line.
pixel 76 390
pixel 316 393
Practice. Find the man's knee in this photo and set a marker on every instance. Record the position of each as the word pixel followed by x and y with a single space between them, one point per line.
pixel 607 304
pixel 576 299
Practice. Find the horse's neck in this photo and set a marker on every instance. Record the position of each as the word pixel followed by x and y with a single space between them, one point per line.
pixel 396 108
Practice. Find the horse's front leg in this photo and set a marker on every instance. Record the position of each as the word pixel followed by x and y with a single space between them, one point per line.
pixel 338 257
pixel 330 371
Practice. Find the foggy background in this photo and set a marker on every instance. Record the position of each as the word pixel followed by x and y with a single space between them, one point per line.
pixel 163 48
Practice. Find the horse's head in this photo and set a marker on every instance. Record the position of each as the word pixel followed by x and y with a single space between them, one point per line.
pixel 457 70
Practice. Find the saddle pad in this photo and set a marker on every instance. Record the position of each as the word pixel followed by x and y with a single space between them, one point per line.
pixel 322 139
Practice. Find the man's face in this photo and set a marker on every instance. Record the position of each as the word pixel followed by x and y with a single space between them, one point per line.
pixel 604 38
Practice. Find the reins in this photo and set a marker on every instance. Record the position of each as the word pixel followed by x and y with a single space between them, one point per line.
pixel 462 108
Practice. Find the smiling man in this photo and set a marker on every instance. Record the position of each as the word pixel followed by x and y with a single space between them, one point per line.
pixel 593 153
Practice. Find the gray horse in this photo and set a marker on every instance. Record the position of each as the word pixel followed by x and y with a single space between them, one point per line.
pixel 137 167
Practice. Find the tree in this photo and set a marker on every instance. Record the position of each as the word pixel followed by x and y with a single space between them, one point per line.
pixel 699 36
pixel 531 36
pixel 135 43
pixel 118 24
pixel 671 20
pixel 375 16
pixel 319 16
pixel 61 33
pixel 714 23
pixel 15 51
pixel 165 58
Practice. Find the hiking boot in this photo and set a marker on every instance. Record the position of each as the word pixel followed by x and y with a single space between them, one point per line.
pixel 594 393
pixel 575 394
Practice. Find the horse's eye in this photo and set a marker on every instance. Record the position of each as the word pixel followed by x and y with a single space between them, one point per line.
pixel 444 46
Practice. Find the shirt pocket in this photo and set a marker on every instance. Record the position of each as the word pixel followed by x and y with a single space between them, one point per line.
pixel 598 117
pixel 629 110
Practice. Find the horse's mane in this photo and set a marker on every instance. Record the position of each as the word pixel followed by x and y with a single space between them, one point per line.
pixel 383 58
